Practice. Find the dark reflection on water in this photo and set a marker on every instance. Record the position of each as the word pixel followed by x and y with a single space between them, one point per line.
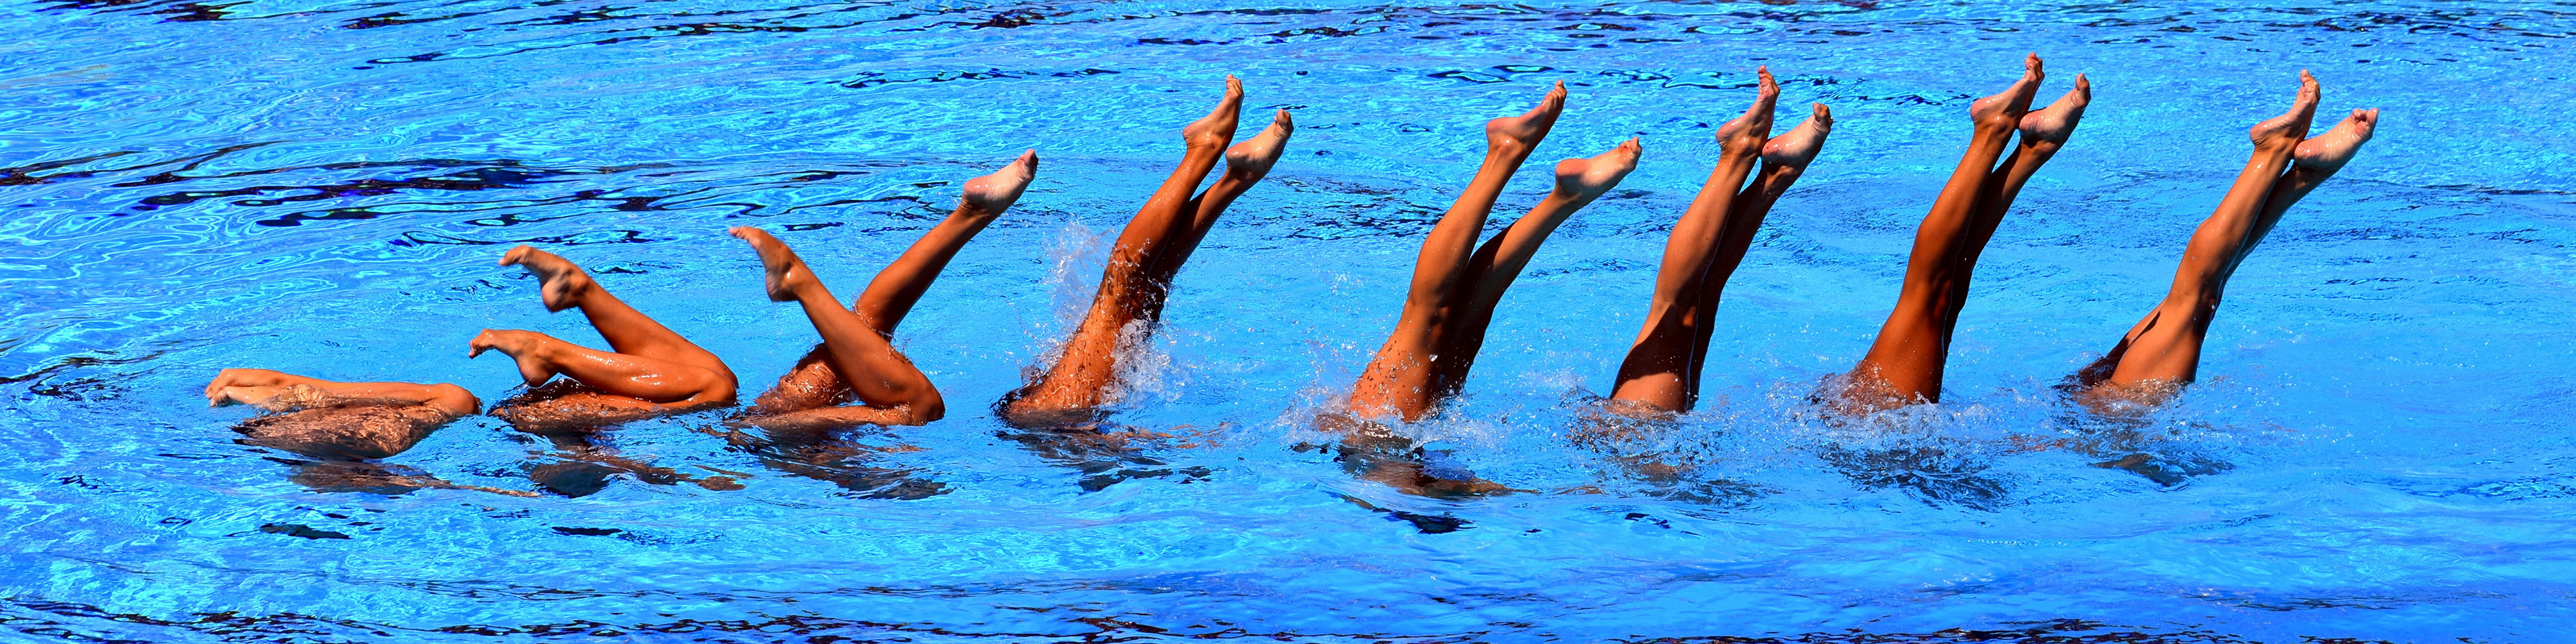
pixel 1105 454
pixel 40 618
pixel 833 456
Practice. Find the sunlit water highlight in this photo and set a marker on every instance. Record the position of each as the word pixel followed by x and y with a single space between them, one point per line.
pixel 2377 450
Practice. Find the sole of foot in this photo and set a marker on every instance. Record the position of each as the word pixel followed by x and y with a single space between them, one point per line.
pixel 1217 128
pixel 1593 176
pixel 993 193
pixel 515 344
pixel 2049 127
pixel 1747 133
pixel 785 273
pixel 2004 110
pixel 2286 130
pixel 1798 147
pixel 2329 151
pixel 1251 160
pixel 1525 131
pixel 563 283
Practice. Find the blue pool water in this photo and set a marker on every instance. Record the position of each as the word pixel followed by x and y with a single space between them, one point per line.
pixel 2378 450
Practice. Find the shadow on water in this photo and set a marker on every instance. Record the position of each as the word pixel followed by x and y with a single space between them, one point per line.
pixel 340 445
pixel 1105 454
pixel 584 461
pixel 1651 454
pixel 832 456
pixel 584 464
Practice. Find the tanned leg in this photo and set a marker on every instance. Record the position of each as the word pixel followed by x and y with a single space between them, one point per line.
pixel 2161 353
pixel 1784 159
pixel 1500 260
pixel 1904 365
pixel 628 331
pixel 1400 381
pixel 664 385
pixel 2043 133
pixel 272 389
pixel 1245 165
pixel 881 376
pixel 1656 372
pixel 1082 376
pixel 326 419
pixel 812 384
pixel 653 371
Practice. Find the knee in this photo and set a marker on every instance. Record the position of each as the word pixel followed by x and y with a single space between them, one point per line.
pixel 454 399
pixel 929 410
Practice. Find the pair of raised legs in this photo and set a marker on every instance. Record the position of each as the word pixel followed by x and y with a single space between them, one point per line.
pixel 1904 365
pixel 1148 254
pixel 1661 373
pixel 1457 282
pixel 2161 353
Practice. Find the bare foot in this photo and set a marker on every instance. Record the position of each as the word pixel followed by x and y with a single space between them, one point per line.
pixel 2047 129
pixel 2286 130
pixel 2005 110
pixel 564 283
pixel 1590 177
pixel 2327 152
pixel 1745 134
pixel 1250 160
pixel 522 346
pixel 1217 128
pixel 1794 150
pixel 254 395
pixel 1522 133
pixel 993 193
pixel 230 378
pixel 788 278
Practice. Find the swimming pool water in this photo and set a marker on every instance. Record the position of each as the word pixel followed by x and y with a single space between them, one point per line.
pixel 2377 451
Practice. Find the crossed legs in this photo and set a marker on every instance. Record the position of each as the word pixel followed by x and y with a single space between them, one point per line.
pixel 856 358
pixel 1661 372
pixel 2161 353
pixel 1148 254
pixel 1457 283
pixel 1904 365
pixel 650 371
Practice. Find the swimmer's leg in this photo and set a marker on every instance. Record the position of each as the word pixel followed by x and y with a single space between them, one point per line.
pixel 628 331
pixel 1245 165
pixel 1904 364
pixel 1656 372
pixel 2043 133
pixel 812 384
pixel 2162 351
pixel 881 376
pixel 1081 377
pixel 1401 380
pixel 575 412
pixel 278 391
pixel 656 383
pixel 338 420
pixel 1784 159
pixel 1500 260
